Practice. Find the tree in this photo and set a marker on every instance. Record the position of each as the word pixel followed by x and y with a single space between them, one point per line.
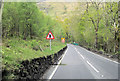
pixel 1 7
pixel 95 18
pixel 119 29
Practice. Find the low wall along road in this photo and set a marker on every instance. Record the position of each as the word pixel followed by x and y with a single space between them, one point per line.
pixel 35 68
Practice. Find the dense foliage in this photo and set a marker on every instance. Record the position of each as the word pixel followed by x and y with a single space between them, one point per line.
pixel 96 26
pixel 25 27
pixel 25 20
pixel 24 31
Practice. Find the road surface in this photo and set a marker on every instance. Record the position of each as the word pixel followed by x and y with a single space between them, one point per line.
pixel 79 63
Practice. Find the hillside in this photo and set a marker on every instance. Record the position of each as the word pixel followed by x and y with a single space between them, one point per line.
pixel 60 9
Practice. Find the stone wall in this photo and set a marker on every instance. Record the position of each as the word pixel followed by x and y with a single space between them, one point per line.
pixel 34 69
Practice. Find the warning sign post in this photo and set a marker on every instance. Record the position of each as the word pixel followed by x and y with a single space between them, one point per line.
pixel 50 36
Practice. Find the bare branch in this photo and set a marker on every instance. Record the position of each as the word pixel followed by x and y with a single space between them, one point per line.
pixel 93 22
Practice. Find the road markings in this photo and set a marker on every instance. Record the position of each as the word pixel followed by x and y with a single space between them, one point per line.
pixel 88 62
pixel 82 56
pixel 102 75
pixel 92 66
pixel 75 49
pixel 57 65
pixel 101 56
pixel 115 62
pixel 79 53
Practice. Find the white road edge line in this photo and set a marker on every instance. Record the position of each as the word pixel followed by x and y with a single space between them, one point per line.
pixel 104 57
pixel 99 55
pixel 93 67
pixel 57 65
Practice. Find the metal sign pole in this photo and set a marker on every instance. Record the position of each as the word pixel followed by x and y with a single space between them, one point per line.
pixel 50 44
pixel 50 36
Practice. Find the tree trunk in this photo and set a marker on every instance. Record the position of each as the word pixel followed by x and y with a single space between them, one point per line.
pixel 96 39
pixel 119 29
pixel 30 31
pixel 96 29
pixel 1 6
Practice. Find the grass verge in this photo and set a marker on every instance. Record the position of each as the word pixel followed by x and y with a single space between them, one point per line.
pixel 15 50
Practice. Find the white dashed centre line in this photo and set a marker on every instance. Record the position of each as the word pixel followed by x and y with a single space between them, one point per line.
pixel 88 62
pixel 92 66
pixel 79 53
pixel 82 56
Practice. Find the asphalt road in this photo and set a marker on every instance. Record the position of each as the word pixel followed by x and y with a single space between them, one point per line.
pixel 79 63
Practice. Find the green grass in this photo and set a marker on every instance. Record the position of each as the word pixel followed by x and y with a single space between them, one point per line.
pixel 20 50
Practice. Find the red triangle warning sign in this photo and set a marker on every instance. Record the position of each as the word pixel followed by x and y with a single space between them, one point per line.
pixel 50 36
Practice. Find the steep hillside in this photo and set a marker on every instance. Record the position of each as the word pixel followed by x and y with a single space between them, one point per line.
pixel 60 9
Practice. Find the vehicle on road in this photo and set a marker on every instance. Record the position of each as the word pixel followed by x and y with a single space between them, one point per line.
pixel 74 43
